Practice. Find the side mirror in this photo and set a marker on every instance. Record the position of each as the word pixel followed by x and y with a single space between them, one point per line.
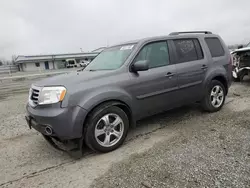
pixel 140 66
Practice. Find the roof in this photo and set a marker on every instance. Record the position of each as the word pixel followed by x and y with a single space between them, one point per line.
pixel 173 35
pixel 31 58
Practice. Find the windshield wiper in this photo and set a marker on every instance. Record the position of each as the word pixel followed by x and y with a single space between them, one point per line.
pixel 91 70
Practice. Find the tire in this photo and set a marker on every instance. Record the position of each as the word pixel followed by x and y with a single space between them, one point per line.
pixel 96 124
pixel 236 79
pixel 207 102
pixel 240 76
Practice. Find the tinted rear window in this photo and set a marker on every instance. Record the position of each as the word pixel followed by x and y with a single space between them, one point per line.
pixel 215 47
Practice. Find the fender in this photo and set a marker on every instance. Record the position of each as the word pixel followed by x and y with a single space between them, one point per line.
pixel 93 99
pixel 97 97
pixel 217 71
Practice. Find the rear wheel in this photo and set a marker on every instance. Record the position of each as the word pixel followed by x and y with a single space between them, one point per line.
pixel 214 97
pixel 106 128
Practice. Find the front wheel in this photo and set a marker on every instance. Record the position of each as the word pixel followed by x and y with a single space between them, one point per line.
pixel 214 97
pixel 106 128
pixel 236 79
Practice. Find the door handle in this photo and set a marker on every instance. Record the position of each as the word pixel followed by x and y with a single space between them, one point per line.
pixel 204 67
pixel 169 75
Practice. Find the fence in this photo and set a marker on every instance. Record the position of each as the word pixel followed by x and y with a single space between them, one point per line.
pixel 8 69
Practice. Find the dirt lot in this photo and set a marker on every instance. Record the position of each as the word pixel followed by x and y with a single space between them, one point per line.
pixel 181 148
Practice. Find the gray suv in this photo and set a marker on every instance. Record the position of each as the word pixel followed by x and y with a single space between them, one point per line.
pixel 127 82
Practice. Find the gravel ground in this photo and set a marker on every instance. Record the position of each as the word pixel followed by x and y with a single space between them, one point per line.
pixel 210 150
pixel 181 148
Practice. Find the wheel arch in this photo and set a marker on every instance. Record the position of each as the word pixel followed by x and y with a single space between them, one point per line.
pixel 113 102
pixel 223 80
pixel 219 74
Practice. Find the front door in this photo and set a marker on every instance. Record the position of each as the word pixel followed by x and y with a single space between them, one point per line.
pixel 46 63
pixel 191 67
pixel 154 90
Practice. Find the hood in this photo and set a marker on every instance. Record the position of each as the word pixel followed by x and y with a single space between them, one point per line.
pixel 241 50
pixel 73 78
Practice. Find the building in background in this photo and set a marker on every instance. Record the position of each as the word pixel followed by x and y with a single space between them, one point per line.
pixel 52 61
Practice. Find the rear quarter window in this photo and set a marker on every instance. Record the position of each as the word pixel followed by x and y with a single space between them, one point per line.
pixel 215 47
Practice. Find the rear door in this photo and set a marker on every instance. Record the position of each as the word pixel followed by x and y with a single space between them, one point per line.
pixel 154 89
pixel 191 67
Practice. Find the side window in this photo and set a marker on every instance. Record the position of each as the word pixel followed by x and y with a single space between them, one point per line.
pixel 188 50
pixel 156 53
pixel 215 47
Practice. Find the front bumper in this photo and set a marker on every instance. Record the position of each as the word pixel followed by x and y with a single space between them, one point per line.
pixel 66 123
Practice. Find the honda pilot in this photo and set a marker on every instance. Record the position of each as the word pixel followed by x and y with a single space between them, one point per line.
pixel 127 82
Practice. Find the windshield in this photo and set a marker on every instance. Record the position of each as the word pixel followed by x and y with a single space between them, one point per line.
pixel 248 44
pixel 112 58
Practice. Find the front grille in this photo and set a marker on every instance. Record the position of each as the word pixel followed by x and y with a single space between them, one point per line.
pixel 34 95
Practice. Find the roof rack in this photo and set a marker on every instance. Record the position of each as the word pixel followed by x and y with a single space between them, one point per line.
pixel 186 32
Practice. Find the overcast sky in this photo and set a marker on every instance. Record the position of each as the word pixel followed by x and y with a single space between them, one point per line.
pixel 64 26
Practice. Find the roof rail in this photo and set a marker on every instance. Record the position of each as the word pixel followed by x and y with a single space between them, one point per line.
pixel 186 32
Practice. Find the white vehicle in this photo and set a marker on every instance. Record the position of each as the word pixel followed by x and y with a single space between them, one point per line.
pixel 241 63
pixel 71 63
pixel 84 63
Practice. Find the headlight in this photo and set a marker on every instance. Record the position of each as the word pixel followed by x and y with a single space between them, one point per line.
pixel 49 95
